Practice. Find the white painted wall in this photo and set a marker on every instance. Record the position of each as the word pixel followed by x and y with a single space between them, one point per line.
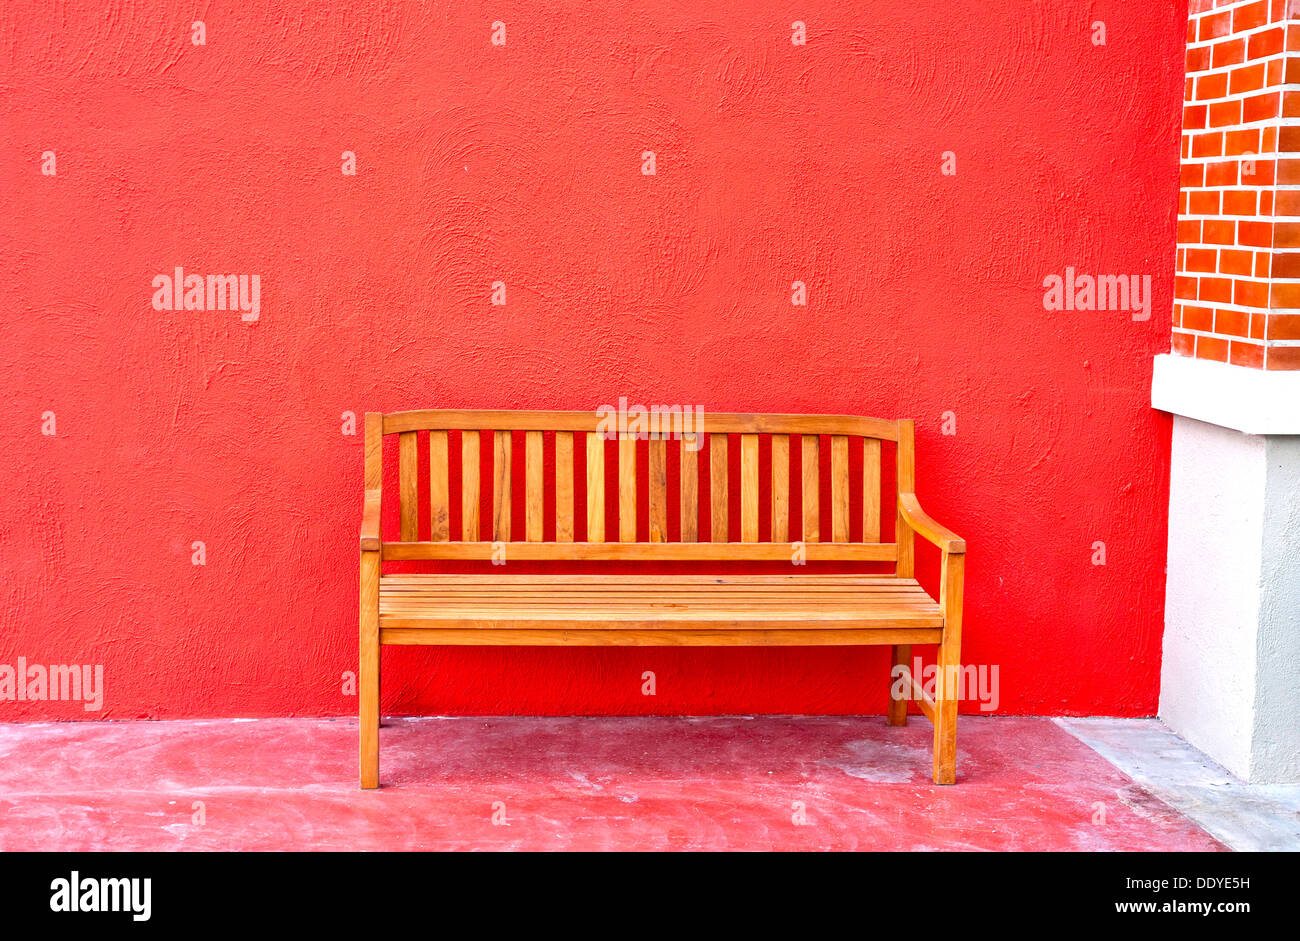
pixel 1230 675
pixel 1212 599
pixel 1275 749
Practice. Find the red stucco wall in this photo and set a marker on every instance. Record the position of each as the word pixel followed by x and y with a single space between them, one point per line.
pixel 477 163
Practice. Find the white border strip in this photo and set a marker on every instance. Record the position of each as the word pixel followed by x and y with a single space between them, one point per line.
pixel 1254 401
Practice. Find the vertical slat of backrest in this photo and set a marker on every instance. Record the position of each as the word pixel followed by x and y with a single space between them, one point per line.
pixel 374 451
pixel 626 488
pixel 534 493
pixel 718 487
pixel 501 487
pixel 595 487
pixel 871 490
pixel 374 456
pixel 690 488
pixel 439 526
pixel 749 488
pixel 839 488
pixel 564 486
pixel 780 488
pixel 906 484
pixel 408 485
pixel 811 484
pixel 657 478
pixel 469 486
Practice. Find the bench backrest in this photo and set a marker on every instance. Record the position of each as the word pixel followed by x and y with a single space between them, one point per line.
pixel 475 452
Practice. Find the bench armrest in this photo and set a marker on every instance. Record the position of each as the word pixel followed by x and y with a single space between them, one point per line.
pixel 370 522
pixel 921 522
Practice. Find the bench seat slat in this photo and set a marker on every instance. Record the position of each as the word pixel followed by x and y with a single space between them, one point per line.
pixel 663 597
pixel 634 637
pixel 445 602
pixel 446 580
pixel 652 598
pixel 607 612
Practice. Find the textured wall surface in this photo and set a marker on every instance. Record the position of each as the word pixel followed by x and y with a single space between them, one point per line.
pixel 1276 741
pixel 1216 536
pixel 1232 639
pixel 522 163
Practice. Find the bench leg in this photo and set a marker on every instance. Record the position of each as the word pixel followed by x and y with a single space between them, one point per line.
pixel 902 654
pixel 379 682
pixel 946 689
pixel 368 674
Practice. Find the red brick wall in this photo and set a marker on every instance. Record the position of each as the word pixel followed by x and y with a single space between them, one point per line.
pixel 1237 292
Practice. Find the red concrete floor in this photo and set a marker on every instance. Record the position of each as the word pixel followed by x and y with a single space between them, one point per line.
pixel 570 784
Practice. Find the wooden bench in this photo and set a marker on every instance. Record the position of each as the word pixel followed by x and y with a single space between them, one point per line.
pixel 792 609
